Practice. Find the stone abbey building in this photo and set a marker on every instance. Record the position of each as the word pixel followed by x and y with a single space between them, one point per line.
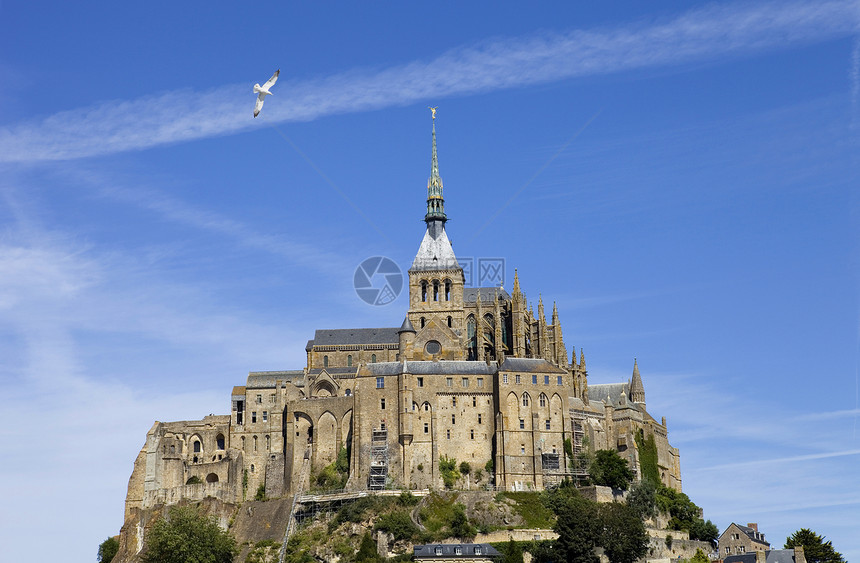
pixel 471 374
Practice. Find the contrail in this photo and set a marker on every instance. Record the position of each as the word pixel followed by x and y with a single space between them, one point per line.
pixel 710 33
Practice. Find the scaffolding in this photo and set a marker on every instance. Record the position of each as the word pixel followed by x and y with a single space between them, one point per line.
pixel 378 460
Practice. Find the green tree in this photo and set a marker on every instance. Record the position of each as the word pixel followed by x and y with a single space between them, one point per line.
pixel 460 526
pixel 187 536
pixel 367 550
pixel 576 524
pixel 699 557
pixel 610 470
pixel 107 550
pixel 512 552
pixel 642 498
pixel 815 549
pixel 622 533
pixel 704 531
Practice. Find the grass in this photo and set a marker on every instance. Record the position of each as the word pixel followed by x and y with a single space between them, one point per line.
pixel 530 506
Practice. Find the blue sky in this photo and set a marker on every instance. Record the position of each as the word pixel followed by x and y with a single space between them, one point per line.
pixel 680 178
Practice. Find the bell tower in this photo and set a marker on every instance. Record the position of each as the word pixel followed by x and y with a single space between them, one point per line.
pixel 436 279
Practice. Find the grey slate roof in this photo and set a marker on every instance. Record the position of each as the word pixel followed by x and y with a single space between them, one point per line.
pixel 771 556
pixel 530 365
pixel 268 379
pixel 435 252
pixel 449 551
pixel 343 336
pixel 442 367
pixel 600 391
pixel 488 294
pixel 335 371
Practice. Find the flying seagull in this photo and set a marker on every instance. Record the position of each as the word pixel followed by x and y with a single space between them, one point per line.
pixel 263 91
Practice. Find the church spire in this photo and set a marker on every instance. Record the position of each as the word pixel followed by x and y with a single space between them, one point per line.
pixel 435 202
pixel 637 390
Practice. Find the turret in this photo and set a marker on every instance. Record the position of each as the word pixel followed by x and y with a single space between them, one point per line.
pixel 637 390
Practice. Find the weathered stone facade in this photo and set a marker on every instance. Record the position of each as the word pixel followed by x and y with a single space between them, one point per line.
pixel 472 374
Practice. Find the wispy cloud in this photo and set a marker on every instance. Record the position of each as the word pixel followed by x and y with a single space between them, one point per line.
pixel 702 35
pixel 781 460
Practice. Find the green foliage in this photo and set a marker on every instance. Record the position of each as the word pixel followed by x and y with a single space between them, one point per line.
pixel 512 552
pixel 610 470
pixel 648 457
pixel 448 469
pixel 398 524
pixel 669 541
pixel 407 499
pixel 815 548
pixel 355 511
pixel 465 468
pixel 193 480
pixel 187 536
pixel 699 557
pixel 460 526
pixel 244 484
pixel 107 550
pixel 265 551
pixel 682 511
pixel 622 533
pixel 367 550
pixel 704 531
pixel 577 525
pixel 479 474
pixel 261 492
pixel 489 467
pixel 531 508
pixel 642 498
pixel 341 465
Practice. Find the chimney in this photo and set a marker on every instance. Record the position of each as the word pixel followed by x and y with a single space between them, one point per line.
pixel 799 556
pixel 753 525
pixel 760 557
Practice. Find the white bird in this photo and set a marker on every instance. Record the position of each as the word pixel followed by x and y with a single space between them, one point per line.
pixel 263 91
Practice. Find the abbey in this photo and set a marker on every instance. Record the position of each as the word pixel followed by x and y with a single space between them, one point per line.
pixel 471 374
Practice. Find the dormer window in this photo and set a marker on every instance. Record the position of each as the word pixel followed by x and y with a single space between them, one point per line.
pixel 438 550
pixel 458 550
pixel 478 550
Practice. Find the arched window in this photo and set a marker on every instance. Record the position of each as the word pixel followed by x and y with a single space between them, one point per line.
pixel 349 360
pixel 373 358
pixel 435 290
pixel 447 290
pixel 212 478
pixel 542 400
pixel 197 446
pixel 423 291
pixel 450 321
pixel 268 442
pixel 255 443
pixel 422 322
pixel 325 361
pixel 525 399
pixel 348 392
pixel 243 443
pixel 252 468
pixel 219 441
pixel 472 342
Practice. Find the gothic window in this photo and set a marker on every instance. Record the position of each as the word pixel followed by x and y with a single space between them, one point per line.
pixel 525 399
pixel 196 446
pixel 448 292
pixel 542 400
pixel 373 358
pixel 435 290
pixel 325 361
pixel 349 360
pixel 219 441
pixel 472 343
pixel 255 443
pixel 423 291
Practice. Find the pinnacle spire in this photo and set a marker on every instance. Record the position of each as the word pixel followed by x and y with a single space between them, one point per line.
pixel 516 288
pixel 637 390
pixel 435 202
pixel 554 313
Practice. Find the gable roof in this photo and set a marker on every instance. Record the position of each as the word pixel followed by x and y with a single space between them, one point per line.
pixel 771 556
pixel 342 336
pixel 488 294
pixel 530 365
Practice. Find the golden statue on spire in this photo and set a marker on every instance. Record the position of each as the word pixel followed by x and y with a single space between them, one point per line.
pixel 433 110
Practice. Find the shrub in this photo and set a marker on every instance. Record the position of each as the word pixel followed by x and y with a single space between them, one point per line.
pixel 489 467
pixel 107 550
pixel 448 468
pixel 465 468
pixel 187 535
pixel 398 524
pixel 261 492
